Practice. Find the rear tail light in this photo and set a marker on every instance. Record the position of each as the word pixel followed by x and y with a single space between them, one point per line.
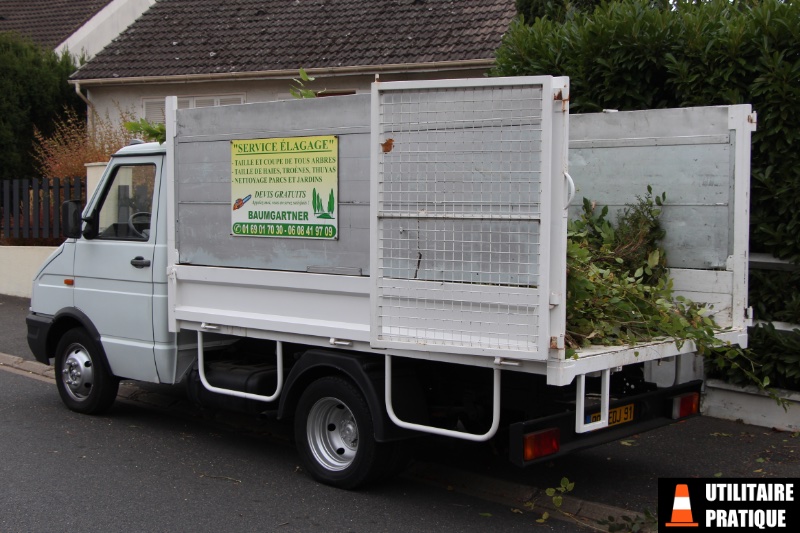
pixel 685 405
pixel 541 443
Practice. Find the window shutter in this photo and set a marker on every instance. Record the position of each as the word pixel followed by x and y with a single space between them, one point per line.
pixel 206 101
pixel 154 111
pixel 231 100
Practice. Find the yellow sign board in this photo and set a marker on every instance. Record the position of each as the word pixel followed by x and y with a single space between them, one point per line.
pixel 285 187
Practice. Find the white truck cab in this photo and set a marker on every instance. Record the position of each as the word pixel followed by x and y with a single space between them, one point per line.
pixel 107 282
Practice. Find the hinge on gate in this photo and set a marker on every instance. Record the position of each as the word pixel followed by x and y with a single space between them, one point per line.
pixel 555 299
pixel 557 342
pixel 560 96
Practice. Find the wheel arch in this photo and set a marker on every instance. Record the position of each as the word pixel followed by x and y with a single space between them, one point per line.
pixel 71 318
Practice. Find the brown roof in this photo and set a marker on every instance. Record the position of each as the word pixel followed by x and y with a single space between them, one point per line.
pixel 196 37
pixel 48 23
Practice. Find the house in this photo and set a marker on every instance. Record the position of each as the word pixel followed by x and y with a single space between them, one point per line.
pixel 83 27
pixel 214 52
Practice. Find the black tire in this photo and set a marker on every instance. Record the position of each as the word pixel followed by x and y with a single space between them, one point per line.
pixel 84 381
pixel 335 435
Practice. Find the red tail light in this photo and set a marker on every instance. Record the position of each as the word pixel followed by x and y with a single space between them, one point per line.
pixel 541 443
pixel 685 405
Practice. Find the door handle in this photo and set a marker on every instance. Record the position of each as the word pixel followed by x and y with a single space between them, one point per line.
pixel 140 262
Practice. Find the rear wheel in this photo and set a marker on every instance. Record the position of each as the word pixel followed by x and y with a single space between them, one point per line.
pixel 84 382
pixel 335 435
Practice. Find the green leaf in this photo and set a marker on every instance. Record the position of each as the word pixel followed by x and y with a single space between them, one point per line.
pixel 653 259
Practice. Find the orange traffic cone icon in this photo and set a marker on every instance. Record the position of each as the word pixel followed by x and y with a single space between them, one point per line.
pixel 682 508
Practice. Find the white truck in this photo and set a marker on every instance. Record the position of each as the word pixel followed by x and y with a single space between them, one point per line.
pixel 388 265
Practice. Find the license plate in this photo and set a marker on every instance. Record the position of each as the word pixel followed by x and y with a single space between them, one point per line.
pixel 618 415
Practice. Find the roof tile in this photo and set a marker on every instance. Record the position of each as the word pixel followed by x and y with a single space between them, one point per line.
pixel 48 23
pixel 179 37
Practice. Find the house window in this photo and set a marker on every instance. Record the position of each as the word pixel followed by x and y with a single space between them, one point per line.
pixel 341 92
pixel 154 107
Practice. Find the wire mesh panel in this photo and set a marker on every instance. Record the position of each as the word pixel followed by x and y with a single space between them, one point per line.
pixel 459 217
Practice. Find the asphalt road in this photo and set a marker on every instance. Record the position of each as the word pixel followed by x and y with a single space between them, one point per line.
pixel 142 469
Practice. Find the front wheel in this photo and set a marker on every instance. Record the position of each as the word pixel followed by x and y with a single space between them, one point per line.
pixel 334 434
pixel 84 382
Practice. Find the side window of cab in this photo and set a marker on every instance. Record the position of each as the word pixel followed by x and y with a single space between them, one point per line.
pixel 125 210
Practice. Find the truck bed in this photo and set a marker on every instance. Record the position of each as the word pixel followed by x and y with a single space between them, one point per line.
pixel 322 292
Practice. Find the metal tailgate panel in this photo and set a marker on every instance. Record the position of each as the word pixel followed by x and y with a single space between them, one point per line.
pixel 461 237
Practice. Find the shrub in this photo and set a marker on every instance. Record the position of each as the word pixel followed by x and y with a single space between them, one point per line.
pixel 73 144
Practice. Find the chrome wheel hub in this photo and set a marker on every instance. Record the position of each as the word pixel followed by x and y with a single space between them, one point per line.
pixel 332 434
pixel 77 372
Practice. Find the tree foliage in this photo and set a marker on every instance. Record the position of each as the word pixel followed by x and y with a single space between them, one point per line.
pixel 558 10
pixel 149 131
pixel 35 91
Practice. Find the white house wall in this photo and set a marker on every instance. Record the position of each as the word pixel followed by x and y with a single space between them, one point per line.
pixel 108 100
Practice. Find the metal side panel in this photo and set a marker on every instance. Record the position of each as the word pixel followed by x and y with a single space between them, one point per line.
pixel 247 302
pixel 701 158
pixel 203 185
pixel 467 196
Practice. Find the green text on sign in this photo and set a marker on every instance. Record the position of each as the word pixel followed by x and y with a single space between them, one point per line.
pixel 316 231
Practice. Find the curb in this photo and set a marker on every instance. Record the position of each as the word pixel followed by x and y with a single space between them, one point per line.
pixel 518 497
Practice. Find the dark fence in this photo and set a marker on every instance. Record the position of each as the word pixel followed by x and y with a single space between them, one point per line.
pixel 31 208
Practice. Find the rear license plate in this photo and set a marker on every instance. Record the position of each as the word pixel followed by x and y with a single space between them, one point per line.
pixel 618 415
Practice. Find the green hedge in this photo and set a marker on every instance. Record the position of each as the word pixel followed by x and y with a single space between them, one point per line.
pixel 636 54
pixel 630 55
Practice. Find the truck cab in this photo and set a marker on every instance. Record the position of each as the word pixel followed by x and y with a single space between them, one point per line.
pixel 107 282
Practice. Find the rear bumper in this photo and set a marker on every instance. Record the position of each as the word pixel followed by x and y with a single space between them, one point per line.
pixel 38 329
pixel 652 410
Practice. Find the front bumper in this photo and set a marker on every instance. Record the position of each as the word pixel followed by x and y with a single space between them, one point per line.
pixel 38 330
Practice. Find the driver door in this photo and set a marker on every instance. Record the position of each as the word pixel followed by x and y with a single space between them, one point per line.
pixel 114 268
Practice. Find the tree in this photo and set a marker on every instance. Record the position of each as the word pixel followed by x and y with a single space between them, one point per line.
pixel 558 10
pixel 34 92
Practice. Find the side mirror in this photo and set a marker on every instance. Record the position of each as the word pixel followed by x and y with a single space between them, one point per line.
pixel 71 219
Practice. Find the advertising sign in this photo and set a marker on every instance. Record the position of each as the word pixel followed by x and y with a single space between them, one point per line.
pixel 285 187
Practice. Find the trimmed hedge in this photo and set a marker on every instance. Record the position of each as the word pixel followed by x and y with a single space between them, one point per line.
pixel 629 55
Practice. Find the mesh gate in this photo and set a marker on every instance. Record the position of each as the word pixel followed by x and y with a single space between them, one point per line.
pixel 459 218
